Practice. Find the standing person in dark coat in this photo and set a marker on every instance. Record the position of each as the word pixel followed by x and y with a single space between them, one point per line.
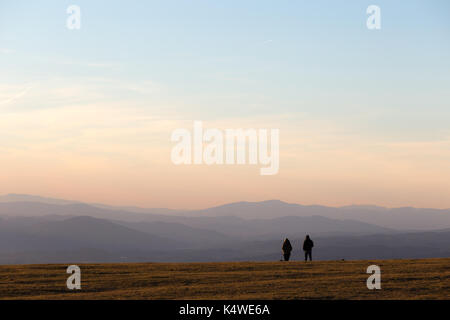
pixel 308 244
pixel 287 248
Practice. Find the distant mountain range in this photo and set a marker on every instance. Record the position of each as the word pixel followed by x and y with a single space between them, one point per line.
pixel 41 230
pixel 405 218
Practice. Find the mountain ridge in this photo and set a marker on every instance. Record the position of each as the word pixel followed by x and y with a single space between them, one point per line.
pixel 402 218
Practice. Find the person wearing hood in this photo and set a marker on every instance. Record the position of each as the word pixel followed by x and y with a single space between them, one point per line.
pixel 308 244
pixel 287 248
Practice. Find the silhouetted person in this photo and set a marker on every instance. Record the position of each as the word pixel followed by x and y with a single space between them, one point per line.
pixel 308 244
pixel 287 248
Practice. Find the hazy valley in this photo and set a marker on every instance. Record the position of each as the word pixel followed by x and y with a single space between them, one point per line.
pixel 40 230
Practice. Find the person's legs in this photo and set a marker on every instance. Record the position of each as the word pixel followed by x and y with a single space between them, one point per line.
pixel 308 253
pixel 306 256
pixel 287 256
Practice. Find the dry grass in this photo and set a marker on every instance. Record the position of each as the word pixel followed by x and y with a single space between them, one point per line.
pixel 401 279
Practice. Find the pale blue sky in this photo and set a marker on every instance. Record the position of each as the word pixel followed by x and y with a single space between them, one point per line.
pixel 235 58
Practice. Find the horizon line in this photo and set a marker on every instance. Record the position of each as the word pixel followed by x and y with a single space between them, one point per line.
pixel 210 207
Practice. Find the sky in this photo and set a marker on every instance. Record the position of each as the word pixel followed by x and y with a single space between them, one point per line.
pixel 363 114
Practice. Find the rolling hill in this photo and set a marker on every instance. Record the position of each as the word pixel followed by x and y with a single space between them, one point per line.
pixel 53 231
pixel 405 218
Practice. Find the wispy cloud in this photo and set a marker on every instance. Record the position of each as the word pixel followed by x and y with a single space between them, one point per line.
pixel 6 51
pixel 17 95
pixel 88 64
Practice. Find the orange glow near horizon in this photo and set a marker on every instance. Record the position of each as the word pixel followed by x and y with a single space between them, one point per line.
pixel 110 167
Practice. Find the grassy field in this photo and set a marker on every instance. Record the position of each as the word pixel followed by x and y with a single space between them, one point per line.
pixel 401 279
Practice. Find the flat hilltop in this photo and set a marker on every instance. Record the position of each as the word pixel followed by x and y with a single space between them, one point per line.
pixel 400 279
